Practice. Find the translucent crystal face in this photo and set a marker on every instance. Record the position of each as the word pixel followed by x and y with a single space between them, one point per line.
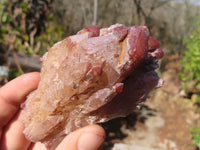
pixel 91 77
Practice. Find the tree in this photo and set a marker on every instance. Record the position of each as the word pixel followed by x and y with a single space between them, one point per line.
pixel 95 12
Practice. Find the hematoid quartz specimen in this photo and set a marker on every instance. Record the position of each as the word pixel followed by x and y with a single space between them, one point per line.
pixel 91 77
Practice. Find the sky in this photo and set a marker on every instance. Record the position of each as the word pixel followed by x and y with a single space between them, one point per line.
pixel 196 1
pixel 193 1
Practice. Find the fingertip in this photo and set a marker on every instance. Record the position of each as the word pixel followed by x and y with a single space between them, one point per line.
pixel 18 88
pixel 14 93
pixel 90 137
pixel 95 128
pixel 33 77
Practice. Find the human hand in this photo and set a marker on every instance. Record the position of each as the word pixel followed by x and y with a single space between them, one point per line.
pixel 11 137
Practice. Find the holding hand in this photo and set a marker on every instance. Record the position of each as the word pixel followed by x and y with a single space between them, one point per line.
pixel 11 137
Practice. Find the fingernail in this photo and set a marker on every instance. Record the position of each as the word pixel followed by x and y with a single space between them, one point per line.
pixel 90 141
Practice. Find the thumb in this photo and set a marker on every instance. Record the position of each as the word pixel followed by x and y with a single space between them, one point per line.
pixel 87 138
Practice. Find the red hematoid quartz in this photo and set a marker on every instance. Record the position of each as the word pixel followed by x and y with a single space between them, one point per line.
pixel 91 77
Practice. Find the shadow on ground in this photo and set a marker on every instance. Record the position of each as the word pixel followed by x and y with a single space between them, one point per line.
pixel 113 128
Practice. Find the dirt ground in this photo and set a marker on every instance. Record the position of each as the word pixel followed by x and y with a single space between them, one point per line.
pixel 163 122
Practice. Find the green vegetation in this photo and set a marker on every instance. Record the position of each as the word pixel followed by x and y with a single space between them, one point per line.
pixel 191 59
pixel 195 134
pixel 190 74
pixel 13 73
pixel 27 29
pixel 23 30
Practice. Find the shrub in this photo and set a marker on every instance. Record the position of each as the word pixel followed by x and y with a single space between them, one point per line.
pixel 191 60
pixel 27 27
pixel 190 74
pixel 195 134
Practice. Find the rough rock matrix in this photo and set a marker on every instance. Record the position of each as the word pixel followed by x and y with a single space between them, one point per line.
pixel 91 77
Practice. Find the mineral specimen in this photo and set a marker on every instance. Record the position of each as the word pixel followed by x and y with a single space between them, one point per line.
pixel 91 77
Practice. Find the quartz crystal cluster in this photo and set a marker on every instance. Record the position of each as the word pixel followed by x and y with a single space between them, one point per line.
pixel 91 77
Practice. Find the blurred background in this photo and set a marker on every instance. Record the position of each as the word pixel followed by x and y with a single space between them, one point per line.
pixel 170 118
